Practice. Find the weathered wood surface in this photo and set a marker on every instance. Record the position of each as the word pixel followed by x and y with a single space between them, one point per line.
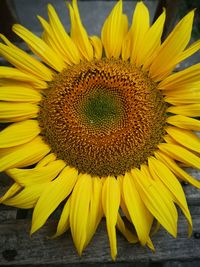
pixel 18 248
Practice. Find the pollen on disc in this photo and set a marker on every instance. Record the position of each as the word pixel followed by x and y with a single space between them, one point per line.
pixel 103 117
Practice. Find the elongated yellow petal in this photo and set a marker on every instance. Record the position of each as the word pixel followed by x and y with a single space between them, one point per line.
pixel 193 48
pixel 185 138
pixel 111 201
pixel 182 78
pixel 11 82
pixel 140 216
pixel 78 32
pixel 126 46
pixel 159 204
pixel 191 110
pixel 184 89
pixel 6 41
pixel 183 98
pixel 54 193
pixel 25 62
pixel 27 177
pixel 40 48
pixel 26 198
pixel 113 31
pixel 46 160
pixel 80 203
pixel 172 47
pixel 19 94
pixel 171 182
pixel 97 46
pixel 68 47
pixel 169 139
pixel 138 30
pixel 95 212
pixel 122 201
pixel 179 172
pixel 19 133
pixel 10 192
pixel 181 154
pixel 125 231
pixel 15 74
pixel 25 155
pixel 49 37
pixel 151 42
pixel 184 122
pixel 162 188
pixel 63 224
pixel 11 112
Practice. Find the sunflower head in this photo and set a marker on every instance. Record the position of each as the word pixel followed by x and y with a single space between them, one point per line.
pixel 101 124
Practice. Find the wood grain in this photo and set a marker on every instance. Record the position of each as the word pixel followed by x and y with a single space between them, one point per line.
pixel 18 248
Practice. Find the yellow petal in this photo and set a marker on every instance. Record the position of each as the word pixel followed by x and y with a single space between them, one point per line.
pixel 181 154
pixel 19 133
pixel 53 194
pixel 184 89
pixel 140 216
pixel 11 112
pixel 157 203
pixel 113 31
pixel 120 179
pixel 169 139
pixel 95 212
pixel 97 46
pixel 185 138
pixel 25 155
pixel 27 177
pixel 63 224
pixel 180 173
pixel 184 122
pixel 10 192
pixel 151 42
pixel 80 203
pixel 26 198
pixel 138 30
pixel 183 98
pixel 40 48
pixel 25 62
pixel 6 41
pixel 193 48
pixel 125 231
pixel 191 110
pixel 171 182
pixel 182 78
pixel 111 201
pixel 172 47
pixel 126 46
pixel 49 37
pixel 78 32
pixel 69 49
pixel 46 160
pixel 15 74
pixel 10 83
pixel 19 94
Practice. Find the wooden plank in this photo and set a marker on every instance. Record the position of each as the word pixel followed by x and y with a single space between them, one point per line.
pixel 17 247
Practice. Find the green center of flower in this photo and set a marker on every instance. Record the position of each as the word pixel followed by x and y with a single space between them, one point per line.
pixel 101 108
pixel 103 117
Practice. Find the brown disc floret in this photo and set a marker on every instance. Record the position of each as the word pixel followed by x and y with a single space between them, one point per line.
pixel 103 117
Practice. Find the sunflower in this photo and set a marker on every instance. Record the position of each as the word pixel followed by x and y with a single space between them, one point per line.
pixel 101 125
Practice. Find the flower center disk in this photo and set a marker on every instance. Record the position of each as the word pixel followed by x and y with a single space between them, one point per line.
pixel 103 117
